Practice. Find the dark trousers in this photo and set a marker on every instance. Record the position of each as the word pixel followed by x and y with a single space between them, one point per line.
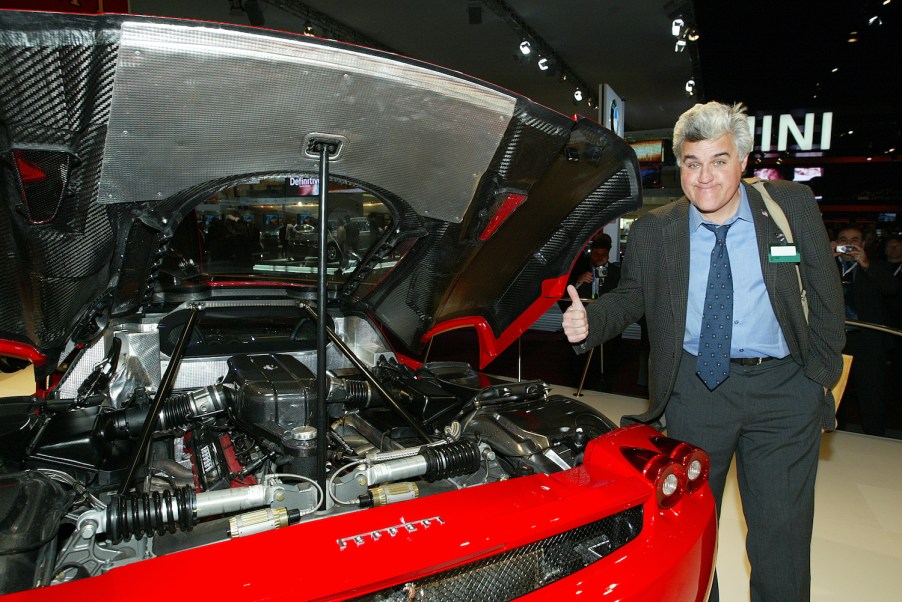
pixel 769 416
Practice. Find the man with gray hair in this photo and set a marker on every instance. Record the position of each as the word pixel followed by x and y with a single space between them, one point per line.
pixel 736 366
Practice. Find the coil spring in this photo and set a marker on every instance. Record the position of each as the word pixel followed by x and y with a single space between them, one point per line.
pixel 141 514
pixel 458 458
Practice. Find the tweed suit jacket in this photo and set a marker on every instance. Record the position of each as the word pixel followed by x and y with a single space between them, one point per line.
pixel 655 281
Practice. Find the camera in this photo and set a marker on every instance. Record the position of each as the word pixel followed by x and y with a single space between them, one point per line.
pixel 844 248
pixel 601 272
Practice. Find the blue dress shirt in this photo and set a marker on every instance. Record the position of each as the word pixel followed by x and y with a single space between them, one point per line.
pixel 756 332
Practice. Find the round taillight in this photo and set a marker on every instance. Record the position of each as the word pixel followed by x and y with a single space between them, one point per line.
pixel 693 459
pixel 670 485
pixel 697 466
pixel 667 476
pixel 694 470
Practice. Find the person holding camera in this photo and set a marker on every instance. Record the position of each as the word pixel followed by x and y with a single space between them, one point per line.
pixel 593 273
pixel 868 287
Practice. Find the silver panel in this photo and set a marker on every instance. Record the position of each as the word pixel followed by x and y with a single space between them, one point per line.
pixel 192 104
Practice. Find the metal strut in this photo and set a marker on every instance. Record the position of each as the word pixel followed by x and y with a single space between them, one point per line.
pixel 325 148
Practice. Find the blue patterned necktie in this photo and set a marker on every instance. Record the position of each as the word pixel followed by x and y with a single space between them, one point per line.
pixel 713 364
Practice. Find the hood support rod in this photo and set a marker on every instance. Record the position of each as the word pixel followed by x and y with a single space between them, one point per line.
pixel 166 384
pixel 324 147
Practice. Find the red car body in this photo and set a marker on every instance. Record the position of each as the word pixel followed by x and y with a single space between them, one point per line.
pixel 185 388
pixel 671 560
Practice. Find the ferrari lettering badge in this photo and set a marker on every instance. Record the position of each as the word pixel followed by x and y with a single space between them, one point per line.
pixel 404 527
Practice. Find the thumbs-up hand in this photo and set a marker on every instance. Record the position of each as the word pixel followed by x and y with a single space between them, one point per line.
pixel 575 322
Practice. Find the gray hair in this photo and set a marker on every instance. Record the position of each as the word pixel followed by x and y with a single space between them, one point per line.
pixel 711 121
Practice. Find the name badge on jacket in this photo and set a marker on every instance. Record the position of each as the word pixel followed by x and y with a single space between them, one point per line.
pixel 784 253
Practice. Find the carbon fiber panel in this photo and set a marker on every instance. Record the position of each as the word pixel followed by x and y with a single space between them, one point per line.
pixel 612 198
pixel 54 98
pixel 186 97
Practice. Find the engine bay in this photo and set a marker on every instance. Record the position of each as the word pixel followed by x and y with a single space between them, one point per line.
pixel 210 410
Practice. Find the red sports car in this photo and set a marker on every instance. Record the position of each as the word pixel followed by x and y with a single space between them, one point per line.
pixel 217 416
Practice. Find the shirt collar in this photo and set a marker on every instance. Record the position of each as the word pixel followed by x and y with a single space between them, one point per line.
pixel 744 213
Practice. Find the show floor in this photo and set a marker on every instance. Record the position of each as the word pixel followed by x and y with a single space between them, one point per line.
pixel 857 543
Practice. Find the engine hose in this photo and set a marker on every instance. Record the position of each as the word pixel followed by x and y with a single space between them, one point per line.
pixel 444 461
pixel 137 515
pixel 177 412
pixel 358 391
pixel 353 393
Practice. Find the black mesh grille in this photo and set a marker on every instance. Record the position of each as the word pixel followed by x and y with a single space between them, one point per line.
pixel 523 570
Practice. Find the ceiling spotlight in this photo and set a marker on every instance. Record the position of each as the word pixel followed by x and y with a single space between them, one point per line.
pixel 680 45
pixel 690 87
pixel 525 47
pixel 853 37
pixel 676 27
pixel 692 34
pixel 308 29
pixel 875 21
pixel 577 95
pixel 548 66
pixel 589 102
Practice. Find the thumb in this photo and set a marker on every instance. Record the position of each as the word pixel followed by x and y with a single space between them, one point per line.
pixel 574 296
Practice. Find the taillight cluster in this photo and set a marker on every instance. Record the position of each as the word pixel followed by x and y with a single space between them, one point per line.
pixel 676 469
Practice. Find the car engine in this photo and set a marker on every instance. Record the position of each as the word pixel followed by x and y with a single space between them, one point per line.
pixel 234 449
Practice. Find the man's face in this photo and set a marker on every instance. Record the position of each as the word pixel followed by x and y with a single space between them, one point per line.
pixel 598 256
pixel 850 236
pixel 894 250
pixel 709 174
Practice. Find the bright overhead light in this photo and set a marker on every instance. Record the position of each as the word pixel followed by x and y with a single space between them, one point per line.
pixel 308 29
pixel 578 95
pixel 692 34
pixel 875 21
pixel 543 64
pixel 680 45
pixel 853 37
pixel 676 27
pixel 525 47
pixel 690 87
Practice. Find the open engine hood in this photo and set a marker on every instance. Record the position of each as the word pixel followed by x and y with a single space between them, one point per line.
pixel 115 127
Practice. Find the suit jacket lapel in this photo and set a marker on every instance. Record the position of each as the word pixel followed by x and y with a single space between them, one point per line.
pixel 676 245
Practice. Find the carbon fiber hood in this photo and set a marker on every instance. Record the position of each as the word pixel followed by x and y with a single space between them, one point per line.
pixel 114 127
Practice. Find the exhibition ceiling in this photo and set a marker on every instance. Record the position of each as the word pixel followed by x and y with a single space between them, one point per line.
pixel 776 56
